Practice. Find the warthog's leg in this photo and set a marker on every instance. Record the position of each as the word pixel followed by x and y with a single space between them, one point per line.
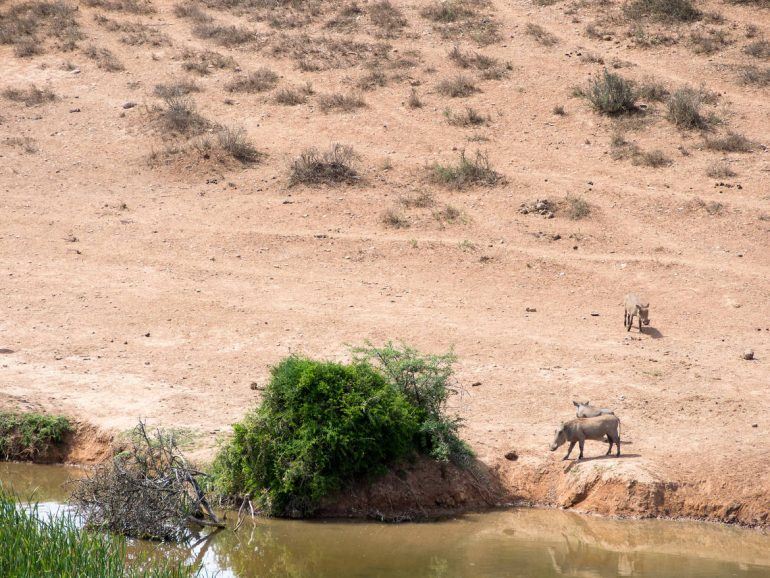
pixel 630 321
pixel 640 324
pixel 609 451
pixel 581 443
pixel 569 451
pixel 617 445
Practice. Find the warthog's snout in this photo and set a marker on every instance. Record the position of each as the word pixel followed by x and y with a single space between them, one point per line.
pixel 554 447
pixel 646 321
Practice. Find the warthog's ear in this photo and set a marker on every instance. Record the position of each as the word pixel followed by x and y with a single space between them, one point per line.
pixel 575 403
pixel 587 403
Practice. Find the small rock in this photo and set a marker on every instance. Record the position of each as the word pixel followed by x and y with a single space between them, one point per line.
pixel 147 334
pixel 129 104
pixel 594 314
pixel 755 425
pixel 74 110
pixel 748 355
pixel 512 456
pixel 475 384
pixel 531 310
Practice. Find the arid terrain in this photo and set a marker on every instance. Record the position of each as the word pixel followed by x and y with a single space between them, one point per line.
pixel 155 264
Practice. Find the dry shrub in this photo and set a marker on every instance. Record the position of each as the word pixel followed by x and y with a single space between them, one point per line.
pixel 27 144
pixel 709 42
pixel 294 96
pixel 181 115
pixel 260 80
pixel 395 219
pixel 577 208
pixel 471 117
pixel 731 142
pixel 205 61
pixel 176 88
pixel 25 25
pixel 224 35
pixel 104 59
pixel 467 172
pixel 414 100
pixel 372 79
pixel 720 170
pixel 32 96
pixel 457 87
pixel 335 166
pixel 611 94
pixel 684 109
pixel 130 6
pixel 456 19
pixel 341 102
pixel 236 144
pixel 421 200
pixel 191 12
pixel 669 11
pixel 387 18
pixel 754 75
pixel 758 49
pixel 489 68
pixel 541 35
pixel 133 33
pixel 313 53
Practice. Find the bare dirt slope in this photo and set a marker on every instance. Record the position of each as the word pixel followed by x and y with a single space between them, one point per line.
pixel 161 286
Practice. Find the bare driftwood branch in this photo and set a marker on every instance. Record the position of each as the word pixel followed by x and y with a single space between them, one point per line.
pixel 146 491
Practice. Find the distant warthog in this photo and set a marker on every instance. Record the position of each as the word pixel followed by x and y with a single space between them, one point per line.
pixel 586 410
pixel 577 431
pixel 636 306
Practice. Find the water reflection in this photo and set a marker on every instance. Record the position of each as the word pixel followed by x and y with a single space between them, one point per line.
pixel 531 543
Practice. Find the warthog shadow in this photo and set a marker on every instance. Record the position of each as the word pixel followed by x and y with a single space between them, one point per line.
pixel 5 350
pixel 652 332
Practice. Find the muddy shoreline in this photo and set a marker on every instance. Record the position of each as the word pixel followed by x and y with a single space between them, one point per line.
pixel 426 490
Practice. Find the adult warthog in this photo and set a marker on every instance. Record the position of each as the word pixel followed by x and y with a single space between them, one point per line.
pixel 577 431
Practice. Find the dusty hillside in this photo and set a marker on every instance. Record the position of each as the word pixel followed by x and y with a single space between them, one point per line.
pixel 155 264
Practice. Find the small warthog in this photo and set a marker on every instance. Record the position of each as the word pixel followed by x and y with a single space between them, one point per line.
pixel 577 431
pixel 636 306
pixel 584 409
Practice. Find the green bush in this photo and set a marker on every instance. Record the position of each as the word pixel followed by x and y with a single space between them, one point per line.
pixel 320 425
pixel 25 436
pixel 611 94
pixel 426 381
pixel 35 546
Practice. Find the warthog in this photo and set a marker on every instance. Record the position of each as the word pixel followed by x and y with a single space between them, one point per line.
pixel 586 410
pixel 636 306
pixel 577 431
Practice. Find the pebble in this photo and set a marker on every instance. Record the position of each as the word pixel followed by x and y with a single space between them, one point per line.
pixel 748 355
pixel 129 104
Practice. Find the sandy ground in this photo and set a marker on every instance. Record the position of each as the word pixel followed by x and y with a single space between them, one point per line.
pixel 170 306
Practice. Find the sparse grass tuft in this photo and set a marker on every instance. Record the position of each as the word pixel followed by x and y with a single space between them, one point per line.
pixel 387 18
pixel 652 90
pixel 181 115
pixel 341 102
pixel 130 6
pixel 489 68
pixel 414 99
pixel 26 25
pixel 471 117
pixel 457 87
pixel 222 35
pixel 104 59
pixel 260 80
pixel 191 12
pixel 611 94
pixel 236 144
pixel 448 214
pixel 558 110
pixel 709 42
pixel 758 49
pixel 27 144
pixel 372 80
pixel 331 167
pixel 462 19
pixel 684 109
pixel 205 61
pixel 394 219
pixel 541 35
pixel 467 172
pixel 294 96
pixel 755 75
pixel 720 170
pixel 732 142
pixel 577 208
pixel 655 159
pixel 32 96
pixel 663 10
pixel 421 200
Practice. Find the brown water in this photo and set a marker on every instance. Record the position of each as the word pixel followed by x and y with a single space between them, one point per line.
pixel 518 542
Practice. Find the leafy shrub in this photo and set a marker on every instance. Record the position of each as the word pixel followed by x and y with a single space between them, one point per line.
pixel 320 425
pixel 26 436
pixel 611 94
pixel 331 167
pixel 427 382
pixel 467 172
